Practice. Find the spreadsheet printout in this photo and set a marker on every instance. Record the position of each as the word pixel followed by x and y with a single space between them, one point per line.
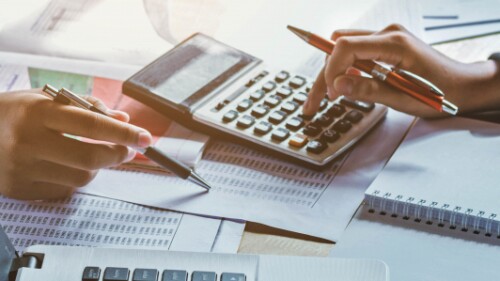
pixel 250 185
pixel 85 220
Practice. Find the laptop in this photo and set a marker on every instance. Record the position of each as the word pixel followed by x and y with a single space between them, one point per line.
pixel 71 263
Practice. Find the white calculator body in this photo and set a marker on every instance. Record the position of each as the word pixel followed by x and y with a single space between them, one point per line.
pixel 214 88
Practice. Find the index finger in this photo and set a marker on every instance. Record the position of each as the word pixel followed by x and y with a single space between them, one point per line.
pixel 350 32
pixel 76 121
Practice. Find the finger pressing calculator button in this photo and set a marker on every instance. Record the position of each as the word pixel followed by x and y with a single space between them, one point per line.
pixel 284 91
pixel 272 101
pixel 277 117
pixel 260 110
pixel 298 140
pixel 325 120
pixel 230 116
pixel 316 146
pixel 280 134
pixel 359 105
pixel 307 117
pixel 295 123
pixel 245 121
pixel 297 82
pixel 300 98
pixel 342 126
pixel 262 128
pixel 311 130
pixel 336 110
pixel 289 106
pixel 330 136
pixel 257 95
pixel 281 76
pixel 354 116
pixel 244 105
pixel 269 86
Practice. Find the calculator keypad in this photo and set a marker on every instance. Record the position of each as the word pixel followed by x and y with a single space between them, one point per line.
pixel 271 111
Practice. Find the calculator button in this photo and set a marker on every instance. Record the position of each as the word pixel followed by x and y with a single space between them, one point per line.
pixel 230 116
pixel 297 82
pixel 359 105
pixel 300 98
pixel 257 95
pixel 272 101
pixel 311 130
pixel 295 123
pixel 203 276
pixel 298 140
pixel 116 274
pixel 262 128
pixel 219 106
pixel 306 117
pixel 316 123
pixel 309 86
pixel 269 86
pixel 141 274
pixel 281 76
pixel 174 275
pixel 284 91
pixel 280 134
pixel 316 146
pixel 325 120
pixel 244 105
pixel 245 121
pixel 289 107
pixel 354 116
pixel 233 277
pixel 342 126
pixel 330 136
pixel 336 110
pixel 91 273
pixel 260 110
pixel 277 117
pixel 323 104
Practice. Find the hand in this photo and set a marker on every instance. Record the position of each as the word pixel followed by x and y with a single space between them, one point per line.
pixel 38 162
pixel 397 47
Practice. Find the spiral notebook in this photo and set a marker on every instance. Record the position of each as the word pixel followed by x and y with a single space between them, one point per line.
pixel 445 174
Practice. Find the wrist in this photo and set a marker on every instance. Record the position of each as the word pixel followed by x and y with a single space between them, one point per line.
pixel 478 87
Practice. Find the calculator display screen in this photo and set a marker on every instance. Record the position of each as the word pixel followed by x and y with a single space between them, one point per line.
pixel 192 70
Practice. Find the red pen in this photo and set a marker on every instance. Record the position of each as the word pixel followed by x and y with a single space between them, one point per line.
pixel 405 81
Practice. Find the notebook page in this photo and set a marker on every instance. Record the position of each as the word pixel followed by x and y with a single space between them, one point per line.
pixel 451 161
pixel 418 252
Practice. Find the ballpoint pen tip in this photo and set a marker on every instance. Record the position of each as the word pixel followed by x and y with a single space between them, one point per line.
pixel 304 35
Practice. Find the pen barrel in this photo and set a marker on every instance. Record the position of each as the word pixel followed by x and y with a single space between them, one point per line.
pixel 171 164
pixel 415 91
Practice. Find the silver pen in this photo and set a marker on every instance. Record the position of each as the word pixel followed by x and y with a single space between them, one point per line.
pixel 65 96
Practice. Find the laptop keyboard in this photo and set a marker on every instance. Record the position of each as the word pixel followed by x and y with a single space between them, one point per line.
pixel 92 273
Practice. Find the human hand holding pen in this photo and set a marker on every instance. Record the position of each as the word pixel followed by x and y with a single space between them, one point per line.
pixel 38 162
pixel 397 47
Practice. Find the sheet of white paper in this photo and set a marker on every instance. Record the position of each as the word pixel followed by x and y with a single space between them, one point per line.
pixel 229 237
pixel 13 78
pixel 87 220
pixel 113 30
pixel 419 252
pixel 453 20
pixel 253 186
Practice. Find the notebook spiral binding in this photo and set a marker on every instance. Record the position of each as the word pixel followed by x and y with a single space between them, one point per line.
pixel 434 213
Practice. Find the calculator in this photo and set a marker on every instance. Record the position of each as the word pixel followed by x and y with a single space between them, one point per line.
pixel 210 87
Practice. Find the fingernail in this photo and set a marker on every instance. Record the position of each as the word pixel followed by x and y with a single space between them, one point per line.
pixel 131 155
pixel 329 92
pixel 343 85
pixel 145 139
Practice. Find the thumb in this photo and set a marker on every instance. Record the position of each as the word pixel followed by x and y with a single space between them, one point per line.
pixel 115 114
